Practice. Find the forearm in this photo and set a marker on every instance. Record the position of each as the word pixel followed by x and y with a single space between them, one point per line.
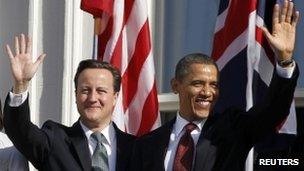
pixel 31 141
pixel 272 111
pixel 16 118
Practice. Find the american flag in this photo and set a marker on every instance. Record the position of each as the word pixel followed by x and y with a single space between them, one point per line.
pixel 124 41
pixel 244 56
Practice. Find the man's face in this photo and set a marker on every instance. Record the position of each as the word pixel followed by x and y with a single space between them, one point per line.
pixel 198 91
pixel 95 97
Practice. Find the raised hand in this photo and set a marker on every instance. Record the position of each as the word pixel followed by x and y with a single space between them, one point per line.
pixel 282 38
pixel 22 66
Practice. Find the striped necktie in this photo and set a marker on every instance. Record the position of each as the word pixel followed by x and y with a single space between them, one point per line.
pixel 100 156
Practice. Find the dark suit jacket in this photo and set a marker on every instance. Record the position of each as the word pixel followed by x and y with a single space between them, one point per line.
pixel 226 139
pixel 55 146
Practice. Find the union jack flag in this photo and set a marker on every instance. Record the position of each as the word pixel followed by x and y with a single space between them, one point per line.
pixel 244 56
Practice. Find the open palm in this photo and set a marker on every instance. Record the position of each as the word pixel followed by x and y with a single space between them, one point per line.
pixel 23 68
pixel 283 33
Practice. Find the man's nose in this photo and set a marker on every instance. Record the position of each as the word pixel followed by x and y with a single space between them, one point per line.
pixel 92 96
pixel 205 91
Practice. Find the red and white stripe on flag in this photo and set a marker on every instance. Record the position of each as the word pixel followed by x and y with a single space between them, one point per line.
pixel 125 42
pixel 238 27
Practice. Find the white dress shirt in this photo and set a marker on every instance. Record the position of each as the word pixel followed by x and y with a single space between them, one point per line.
pixel 109 143
pixel 10 158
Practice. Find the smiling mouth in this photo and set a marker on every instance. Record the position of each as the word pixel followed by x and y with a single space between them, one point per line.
pixel 203 103
pixel 92 107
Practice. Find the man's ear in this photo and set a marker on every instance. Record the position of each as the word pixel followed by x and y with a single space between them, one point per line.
pixel 75 91
pixel 115 98
pixel 174 85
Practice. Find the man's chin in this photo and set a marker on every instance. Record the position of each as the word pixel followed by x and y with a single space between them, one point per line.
pixel 202 115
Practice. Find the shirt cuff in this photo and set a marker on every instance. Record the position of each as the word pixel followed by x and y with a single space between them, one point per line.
pixel 17 99
pixel 287 71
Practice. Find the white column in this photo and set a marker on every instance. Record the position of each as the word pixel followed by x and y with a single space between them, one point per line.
pixel 33 32
pixel 78 43
pixel 72 50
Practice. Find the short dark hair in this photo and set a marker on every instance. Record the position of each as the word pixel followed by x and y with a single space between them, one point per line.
pixel 92 64
pixel 181 69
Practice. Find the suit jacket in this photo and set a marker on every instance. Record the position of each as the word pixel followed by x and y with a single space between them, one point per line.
pixel 55 146
pixel 226 138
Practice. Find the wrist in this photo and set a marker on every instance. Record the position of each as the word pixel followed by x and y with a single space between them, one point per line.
pixel 286 62
pixel 20 87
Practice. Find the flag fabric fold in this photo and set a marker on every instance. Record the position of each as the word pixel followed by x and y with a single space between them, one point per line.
pixel 97 7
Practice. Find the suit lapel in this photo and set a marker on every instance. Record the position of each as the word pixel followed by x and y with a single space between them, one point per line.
pixel 205 150
pixel 80 144
pixel 205 155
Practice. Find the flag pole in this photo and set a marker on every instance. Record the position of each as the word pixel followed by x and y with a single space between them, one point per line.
pixel 97 31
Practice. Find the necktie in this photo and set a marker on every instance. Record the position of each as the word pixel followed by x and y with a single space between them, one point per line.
pixel 100 156
pixel 184 152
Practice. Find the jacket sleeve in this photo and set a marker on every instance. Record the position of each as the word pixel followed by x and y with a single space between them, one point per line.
pixel 265 116
pixel 33 142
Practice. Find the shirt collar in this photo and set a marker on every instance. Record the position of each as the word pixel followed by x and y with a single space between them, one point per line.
pixel 181 122
pixel 108 132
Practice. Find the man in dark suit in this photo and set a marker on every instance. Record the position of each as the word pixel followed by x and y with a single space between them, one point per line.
pixel 92 143
pixel 197 139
